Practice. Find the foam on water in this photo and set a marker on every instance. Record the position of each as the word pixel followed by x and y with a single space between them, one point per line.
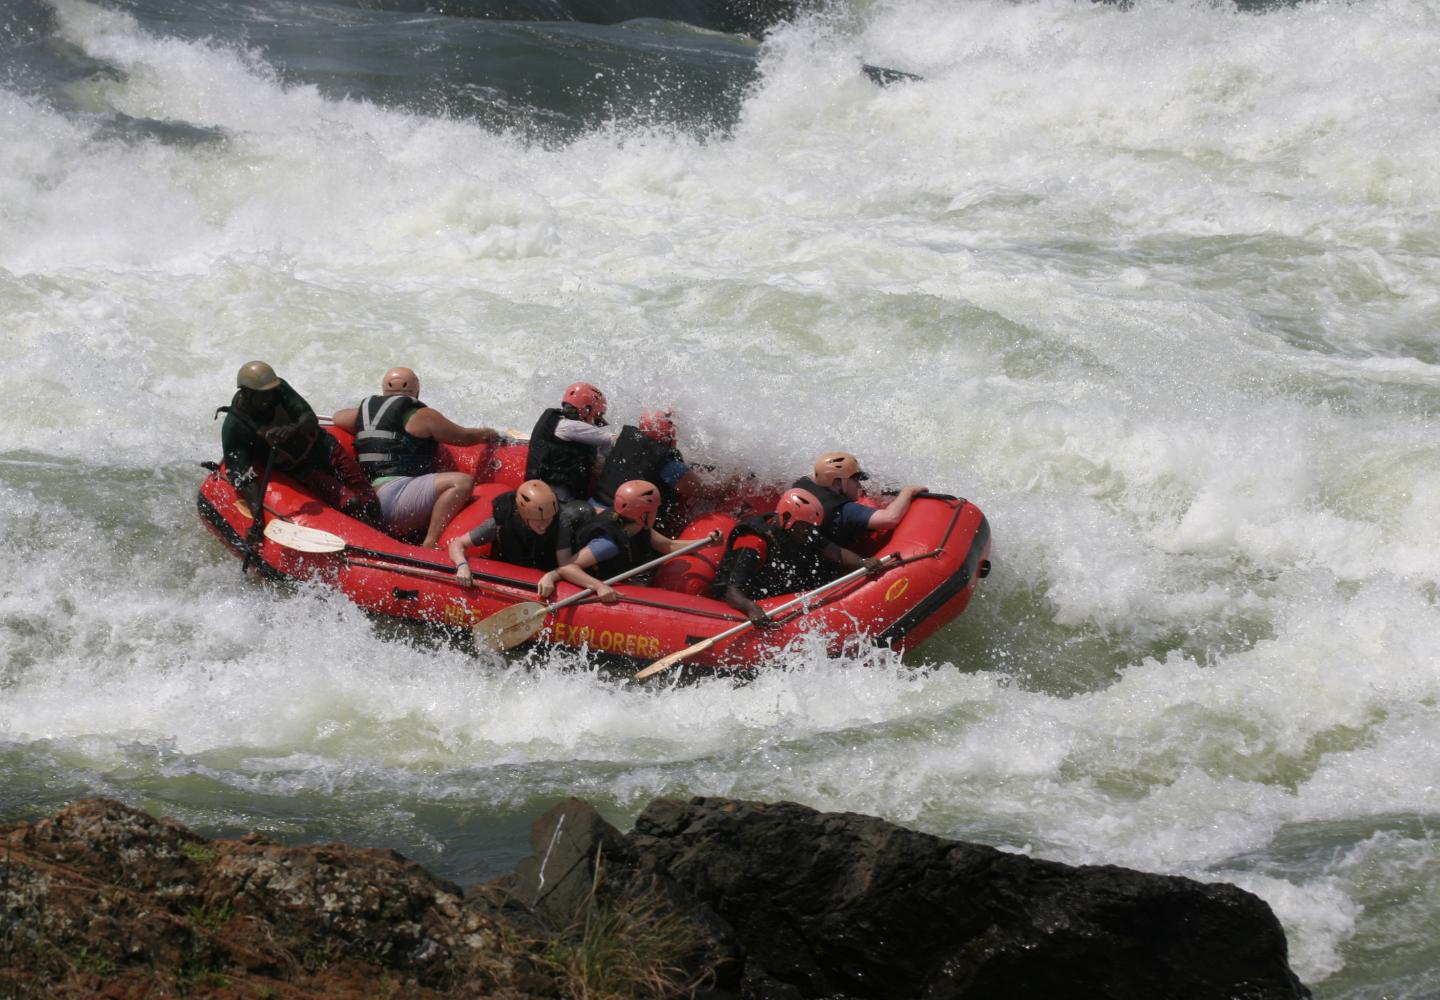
pixel 1156 287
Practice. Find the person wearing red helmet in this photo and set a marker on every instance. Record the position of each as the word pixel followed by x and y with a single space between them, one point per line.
pixel 528 527
pixel 779 553
pixel 836 483
pixel 646 450
pixel 397 440
pixel 271 425
pixel 568 441
pixel 617 540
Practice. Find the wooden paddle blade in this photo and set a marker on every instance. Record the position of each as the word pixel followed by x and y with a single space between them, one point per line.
pixel 511 626
pixel 666 662
pixel 302 538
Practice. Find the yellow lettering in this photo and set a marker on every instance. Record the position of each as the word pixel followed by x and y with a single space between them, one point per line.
pixel 897 588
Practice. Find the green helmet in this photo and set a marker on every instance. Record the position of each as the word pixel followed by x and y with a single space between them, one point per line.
pixel 257 375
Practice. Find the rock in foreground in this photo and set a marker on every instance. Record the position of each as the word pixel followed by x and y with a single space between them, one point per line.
pixel 711 898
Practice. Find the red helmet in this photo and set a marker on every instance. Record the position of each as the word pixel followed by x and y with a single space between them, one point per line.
pixel 588 401
pixel 835 466
pixel 536 504
pixel 657 426
pixel 638 500
pixel 799 506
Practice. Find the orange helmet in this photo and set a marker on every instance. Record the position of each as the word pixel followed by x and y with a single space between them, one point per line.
pixel 638 500
pixel 799 506
pixel 536 504
pixel 835 466
pixel 658 426
pixel 400 382
pixel 587 401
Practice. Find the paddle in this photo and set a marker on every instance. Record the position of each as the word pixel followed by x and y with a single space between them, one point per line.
pixel 251 553
pixel 511 626
pixel 669 661
pixel 303 538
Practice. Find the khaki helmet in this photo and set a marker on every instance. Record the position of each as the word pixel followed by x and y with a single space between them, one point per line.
pixel 536 504
pixel 639 501
pixel 837 466
pixel 401 382
pixel 257 375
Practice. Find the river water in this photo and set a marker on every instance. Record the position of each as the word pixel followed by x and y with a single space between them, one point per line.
pixel 1158 287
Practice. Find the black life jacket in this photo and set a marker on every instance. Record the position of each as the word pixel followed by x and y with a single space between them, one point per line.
pixel 381 444
pixel 636 456
pixel 832 502
pixel 789 567
pixel 564 465
pixel 633 550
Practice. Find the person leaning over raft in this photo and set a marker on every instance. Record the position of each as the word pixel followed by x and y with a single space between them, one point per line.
pixel 779 553
pixel 836 484
pixel 614 541
pixel 647 451
pixel 397 439
pixel 269 425
pixel 567 442
pixel 528 527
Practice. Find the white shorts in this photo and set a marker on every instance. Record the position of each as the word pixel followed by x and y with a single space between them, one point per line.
pixel 406 503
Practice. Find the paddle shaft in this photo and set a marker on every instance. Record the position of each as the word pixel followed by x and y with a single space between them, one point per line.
pixel 704 644
pixel 698 543
pixel 259 514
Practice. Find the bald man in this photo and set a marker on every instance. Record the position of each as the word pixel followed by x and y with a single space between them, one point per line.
pixel 396 440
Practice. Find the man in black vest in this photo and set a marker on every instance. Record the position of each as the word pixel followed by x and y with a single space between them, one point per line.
pixel 397 439
pixel 568 442
pixel 647 451
pixel 836 484
pixel 527 527
pixel 779 553
pixel 269 425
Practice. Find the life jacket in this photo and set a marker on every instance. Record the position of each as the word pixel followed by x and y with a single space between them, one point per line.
pixel 636 456
pixel 633 550
pixel 564 465
pixel 516 543
pixel 832 502
pixel 789 567
pixel 381 444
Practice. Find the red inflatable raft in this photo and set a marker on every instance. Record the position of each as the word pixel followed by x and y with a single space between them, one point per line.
pixel 934 558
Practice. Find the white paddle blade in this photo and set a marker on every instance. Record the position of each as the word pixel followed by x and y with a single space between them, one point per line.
pixel 301 538
pixel 517 435
pixel 509 627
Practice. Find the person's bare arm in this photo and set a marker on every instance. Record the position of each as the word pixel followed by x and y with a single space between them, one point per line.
pixel 431 423
pixel 575 572
pixel 890 515
pixel 346 419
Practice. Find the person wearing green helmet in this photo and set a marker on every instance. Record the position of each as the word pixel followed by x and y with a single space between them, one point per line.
pixel 268 425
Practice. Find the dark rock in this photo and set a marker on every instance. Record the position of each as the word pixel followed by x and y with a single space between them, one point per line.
pixel 836 905
pixel 582 863
pixel 104 894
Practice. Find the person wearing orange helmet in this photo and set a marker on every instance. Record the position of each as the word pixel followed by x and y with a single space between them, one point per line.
pixel 397 441
pixel 647 450
pixel 836 483
pixel 528 526
pixel 617 540
pixel 269 424
pixel 779 553
pixel 568 441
